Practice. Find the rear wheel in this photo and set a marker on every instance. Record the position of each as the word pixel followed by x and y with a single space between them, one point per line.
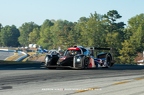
pixel 108 61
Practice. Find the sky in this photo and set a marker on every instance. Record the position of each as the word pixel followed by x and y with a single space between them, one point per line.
pixel 17 12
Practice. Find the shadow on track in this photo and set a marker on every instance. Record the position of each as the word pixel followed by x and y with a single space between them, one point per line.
pixel 23 66
pixel 126 67
pixel 40 66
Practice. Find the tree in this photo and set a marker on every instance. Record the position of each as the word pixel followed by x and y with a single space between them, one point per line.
pixel 0 33
pixel 9 36
pixel 0 27
pixel 135 43
pixel 127 52
pixel 81 30
pixel 96 30
pixel 62 34
pixel 45 34
pixel 25 30
pixel 114 30
pixel 34 36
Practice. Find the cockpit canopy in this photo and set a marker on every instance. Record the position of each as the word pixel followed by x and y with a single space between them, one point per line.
pixel 72 51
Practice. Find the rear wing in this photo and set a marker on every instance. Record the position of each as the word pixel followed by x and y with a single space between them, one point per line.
pixel 92 49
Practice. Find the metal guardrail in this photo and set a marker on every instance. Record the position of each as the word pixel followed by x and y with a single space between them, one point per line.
pixel 22 57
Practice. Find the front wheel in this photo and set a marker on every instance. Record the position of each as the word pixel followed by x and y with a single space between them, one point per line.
pixel 47 60
pixel 81 61
pixel 86 62
pixel 108 61
pixel 50 61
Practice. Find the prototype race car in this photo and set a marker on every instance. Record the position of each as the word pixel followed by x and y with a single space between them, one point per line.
pixel 78 57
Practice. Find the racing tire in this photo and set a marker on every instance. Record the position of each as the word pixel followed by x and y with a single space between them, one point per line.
pixel 85 62
pixel 81 64
pixel 108 60
pixel 48 60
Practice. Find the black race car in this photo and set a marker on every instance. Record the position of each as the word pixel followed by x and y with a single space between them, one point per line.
pixel 78 57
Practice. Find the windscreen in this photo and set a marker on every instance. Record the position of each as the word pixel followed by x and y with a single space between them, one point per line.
pixel 72 52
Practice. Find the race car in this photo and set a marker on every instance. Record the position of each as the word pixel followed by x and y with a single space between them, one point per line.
pixel 78 57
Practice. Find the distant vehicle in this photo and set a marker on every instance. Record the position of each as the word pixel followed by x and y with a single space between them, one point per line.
pixel 78 57
pixel 33 46
pixel 44 50
pixel 41 50
pixel 140 62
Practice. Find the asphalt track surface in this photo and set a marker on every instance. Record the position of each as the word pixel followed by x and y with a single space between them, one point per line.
pixel 5 54
pixel 35 79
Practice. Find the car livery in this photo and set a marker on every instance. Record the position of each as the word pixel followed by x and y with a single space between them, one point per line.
pixel 78 57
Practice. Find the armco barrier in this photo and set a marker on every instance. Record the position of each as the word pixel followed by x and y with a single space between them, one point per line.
pixel 5 53
pixel 7 50
pixel 22 57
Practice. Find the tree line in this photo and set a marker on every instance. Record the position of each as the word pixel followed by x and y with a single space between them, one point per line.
pixel 100 30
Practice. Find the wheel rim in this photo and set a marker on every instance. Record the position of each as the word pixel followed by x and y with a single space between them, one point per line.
pixel 46 61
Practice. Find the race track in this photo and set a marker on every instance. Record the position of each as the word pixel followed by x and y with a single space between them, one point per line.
pixel 5 54
pixel 34 79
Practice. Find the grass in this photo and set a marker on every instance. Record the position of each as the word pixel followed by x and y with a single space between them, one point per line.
pixel 30 59
pixel 34 57
pixel 29 55
pixel 14 57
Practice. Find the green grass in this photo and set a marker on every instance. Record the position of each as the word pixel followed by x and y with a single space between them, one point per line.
pixel 14 57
